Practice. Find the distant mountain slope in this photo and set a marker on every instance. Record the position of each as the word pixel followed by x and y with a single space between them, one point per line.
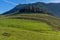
pixel 39 7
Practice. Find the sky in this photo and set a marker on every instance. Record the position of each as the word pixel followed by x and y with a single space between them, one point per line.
pixel 6 5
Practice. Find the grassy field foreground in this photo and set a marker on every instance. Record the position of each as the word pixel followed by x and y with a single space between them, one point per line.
pixel 23 29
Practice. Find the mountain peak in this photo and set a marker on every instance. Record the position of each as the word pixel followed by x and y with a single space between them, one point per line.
pixel 38 7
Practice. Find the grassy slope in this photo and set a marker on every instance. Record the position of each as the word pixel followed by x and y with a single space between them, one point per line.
pixel 50 20
pixel 24 29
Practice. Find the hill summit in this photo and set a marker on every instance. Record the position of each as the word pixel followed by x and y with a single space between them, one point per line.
pixel 39 7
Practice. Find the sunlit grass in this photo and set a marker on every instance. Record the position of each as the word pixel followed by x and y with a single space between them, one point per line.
pixel 27 29
pixel 25 24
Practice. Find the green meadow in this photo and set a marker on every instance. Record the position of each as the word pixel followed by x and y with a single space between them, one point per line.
pixel 29 27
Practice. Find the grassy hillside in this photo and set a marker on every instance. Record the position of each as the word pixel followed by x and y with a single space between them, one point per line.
pixel 50 20
pixel 29 27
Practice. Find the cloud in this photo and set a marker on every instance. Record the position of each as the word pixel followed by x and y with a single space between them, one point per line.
pixel 10 2
pixel 55 1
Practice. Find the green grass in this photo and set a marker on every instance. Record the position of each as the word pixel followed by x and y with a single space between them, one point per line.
pixel 25 24
pixel 30 27
pixel 20 34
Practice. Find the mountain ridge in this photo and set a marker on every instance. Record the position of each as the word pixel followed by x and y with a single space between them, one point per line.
pixel 49 8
